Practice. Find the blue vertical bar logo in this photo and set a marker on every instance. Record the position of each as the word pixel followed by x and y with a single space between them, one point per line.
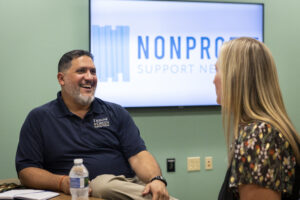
pixel 111 52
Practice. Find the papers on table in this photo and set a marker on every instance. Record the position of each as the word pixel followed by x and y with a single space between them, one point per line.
pixel 28 194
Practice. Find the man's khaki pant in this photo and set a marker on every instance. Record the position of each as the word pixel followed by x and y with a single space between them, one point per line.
pixel 112 187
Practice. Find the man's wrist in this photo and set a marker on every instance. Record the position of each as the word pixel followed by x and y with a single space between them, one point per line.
pixel 160 178
pixel 60 182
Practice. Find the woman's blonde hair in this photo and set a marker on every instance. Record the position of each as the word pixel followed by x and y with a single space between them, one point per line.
pixel 250 90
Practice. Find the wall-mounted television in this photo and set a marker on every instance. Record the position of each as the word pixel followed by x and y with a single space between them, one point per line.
pixel 152 53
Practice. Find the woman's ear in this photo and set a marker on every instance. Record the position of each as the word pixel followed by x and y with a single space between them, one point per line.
pixel 60 78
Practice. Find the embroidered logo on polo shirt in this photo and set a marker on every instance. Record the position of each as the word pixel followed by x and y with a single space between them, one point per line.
pixel 99 123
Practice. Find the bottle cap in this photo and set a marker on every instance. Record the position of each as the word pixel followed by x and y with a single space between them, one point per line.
pixel 78 161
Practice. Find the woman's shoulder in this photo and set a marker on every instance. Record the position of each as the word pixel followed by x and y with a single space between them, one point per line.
pixel 262 156
pixel 261 130
pixel 262 136
pixel 257 124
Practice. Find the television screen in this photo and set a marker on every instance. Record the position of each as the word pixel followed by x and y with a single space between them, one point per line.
pixel 163 53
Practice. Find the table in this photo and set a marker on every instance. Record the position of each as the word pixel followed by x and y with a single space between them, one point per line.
pixel 63 196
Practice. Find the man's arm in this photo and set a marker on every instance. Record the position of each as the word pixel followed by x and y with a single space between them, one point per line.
pixel 146 168
pixel 41 179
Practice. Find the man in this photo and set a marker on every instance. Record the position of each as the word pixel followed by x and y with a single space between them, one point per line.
pixel 78 125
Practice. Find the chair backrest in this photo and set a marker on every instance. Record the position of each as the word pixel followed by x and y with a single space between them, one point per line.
pixel 296 186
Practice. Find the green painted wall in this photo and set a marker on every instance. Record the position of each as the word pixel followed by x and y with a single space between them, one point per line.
pixel 35 33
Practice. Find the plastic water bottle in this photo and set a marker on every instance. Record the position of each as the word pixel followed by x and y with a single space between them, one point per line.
pixel 79 181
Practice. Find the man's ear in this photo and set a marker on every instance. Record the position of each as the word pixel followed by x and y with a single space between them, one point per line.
pixel 60 78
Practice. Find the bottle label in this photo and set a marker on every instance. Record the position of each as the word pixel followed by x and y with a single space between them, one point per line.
pixel 79 182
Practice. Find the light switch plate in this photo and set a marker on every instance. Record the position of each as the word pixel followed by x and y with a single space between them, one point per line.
pixel 193 164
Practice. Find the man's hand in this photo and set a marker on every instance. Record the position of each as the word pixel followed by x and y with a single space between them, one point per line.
pixel 65 185
pixel 157 189
pixel 146 167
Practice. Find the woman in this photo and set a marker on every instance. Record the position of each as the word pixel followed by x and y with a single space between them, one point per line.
pixel 262 142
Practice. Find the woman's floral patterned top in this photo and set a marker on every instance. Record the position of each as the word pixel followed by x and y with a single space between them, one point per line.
pixel 262 156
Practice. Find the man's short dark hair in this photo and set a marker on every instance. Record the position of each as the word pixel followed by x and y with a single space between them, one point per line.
pixel 65 61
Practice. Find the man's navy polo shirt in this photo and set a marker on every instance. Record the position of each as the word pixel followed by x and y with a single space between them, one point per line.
pixel 51 137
